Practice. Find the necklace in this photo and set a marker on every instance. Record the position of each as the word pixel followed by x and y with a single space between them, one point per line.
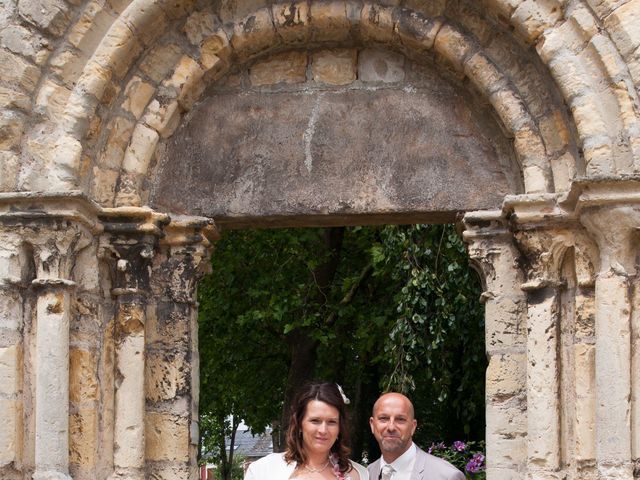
pixel 316 469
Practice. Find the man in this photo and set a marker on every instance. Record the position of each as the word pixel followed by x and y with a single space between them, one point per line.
pixel 393 424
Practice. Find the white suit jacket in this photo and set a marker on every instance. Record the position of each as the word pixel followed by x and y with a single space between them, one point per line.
pixel 427 467
pixel 274 467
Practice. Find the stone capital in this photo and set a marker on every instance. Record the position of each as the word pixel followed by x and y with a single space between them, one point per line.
pixel 129 243
pixel 615 229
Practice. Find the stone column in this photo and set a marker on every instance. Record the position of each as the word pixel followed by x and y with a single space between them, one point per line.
pixel 131 236
pixel 54 249
pixel 14 279
pixel 54 287
pixel 615 231
pixel 41 237
pixel 172 371
pixel 543 355
pixel 493 252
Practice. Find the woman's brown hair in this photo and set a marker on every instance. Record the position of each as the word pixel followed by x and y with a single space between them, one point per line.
pixel 324 392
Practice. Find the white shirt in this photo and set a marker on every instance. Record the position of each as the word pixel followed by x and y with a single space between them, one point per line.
pixel 403 465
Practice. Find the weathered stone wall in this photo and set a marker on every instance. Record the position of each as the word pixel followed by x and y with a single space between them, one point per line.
pixel 535 105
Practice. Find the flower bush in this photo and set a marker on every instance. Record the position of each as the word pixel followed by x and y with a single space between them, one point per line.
pixel 466 456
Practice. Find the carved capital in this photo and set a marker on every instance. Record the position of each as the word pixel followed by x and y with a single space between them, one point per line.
pixel 185 248
pixel 129 243
pixel 615 229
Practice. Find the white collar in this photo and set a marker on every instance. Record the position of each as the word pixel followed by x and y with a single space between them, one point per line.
pixel 404 462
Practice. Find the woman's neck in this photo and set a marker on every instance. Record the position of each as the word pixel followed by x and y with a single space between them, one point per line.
pixel 317 459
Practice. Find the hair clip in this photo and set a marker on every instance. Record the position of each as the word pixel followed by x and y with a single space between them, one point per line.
pixel 345 400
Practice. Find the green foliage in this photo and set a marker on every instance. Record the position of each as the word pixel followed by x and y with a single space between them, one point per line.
pixel 401 313
pixel 436 343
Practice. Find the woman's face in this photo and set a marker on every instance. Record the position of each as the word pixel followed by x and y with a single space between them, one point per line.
pixel 320 427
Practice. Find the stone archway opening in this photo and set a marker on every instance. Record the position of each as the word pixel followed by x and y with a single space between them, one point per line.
pixel 380 294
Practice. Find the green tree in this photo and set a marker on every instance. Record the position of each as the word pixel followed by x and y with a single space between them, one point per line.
pixel 371 307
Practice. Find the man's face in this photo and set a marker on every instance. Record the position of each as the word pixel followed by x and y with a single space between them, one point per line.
pixel 393 425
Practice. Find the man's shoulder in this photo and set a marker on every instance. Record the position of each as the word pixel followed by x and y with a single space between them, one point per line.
pixel 439 466
pixel 374 467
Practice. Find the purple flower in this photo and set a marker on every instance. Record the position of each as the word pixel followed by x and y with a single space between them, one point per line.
pixel 459 446
pixel 476 464
pixel 436 446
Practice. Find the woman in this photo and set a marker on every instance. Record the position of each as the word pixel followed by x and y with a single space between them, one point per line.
pixel 316 441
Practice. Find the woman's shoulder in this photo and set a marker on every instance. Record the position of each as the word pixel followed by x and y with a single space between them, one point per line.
pixel 267 461
pixel 362 472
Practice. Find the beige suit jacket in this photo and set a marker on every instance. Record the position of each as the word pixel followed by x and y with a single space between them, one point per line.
pixel 427 467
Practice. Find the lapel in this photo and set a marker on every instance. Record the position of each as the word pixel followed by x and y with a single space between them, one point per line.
pixel 419 469
pixel 374 474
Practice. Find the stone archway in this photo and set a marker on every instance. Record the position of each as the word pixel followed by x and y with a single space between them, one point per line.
pixel 98 286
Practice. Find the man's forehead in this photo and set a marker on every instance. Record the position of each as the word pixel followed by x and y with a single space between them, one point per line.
pixel 395 404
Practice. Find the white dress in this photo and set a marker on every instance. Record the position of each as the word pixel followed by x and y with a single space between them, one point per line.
pixel 274 467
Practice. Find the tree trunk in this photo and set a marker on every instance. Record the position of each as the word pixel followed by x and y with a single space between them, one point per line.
pixel 302 346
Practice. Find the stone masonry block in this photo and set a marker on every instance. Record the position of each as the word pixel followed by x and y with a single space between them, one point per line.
pixel 167 437
pixel 137 95
pixel 87 32
pixel 160 61
pixel 67 66
pixel 167 375
pixel 334 67
pixel 83 376
pixel 233 11
pixel 453 46
pixel 215 51
pixel 51 16
pixel 171 471
pixel 380 66
pixel 13 99
pixel 118 49
pixel 377 23
pixel 17 71
pixel 11 163
pixel 120 131
pixel 564 171
pixel 163 116
pixel 484 74
pixel 533 17
pixel 140 150
pixel 292 22
pixel 94 81
pixel 415 31
pixel 9 379
pixel 83 440
pixel 506 375
pixel 187 80
pixel 329 21
pixel 288 67
pixel 554 131
pixel 168 323
pixel 254 34
pixel 200 25
pixel 11 128
pixel 8 431
pixel 26 43
pixel 511 110
pixel 147 20
pixel 622 26
pixel 52 99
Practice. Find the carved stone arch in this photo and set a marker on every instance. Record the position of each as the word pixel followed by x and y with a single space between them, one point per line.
pixel 409 30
